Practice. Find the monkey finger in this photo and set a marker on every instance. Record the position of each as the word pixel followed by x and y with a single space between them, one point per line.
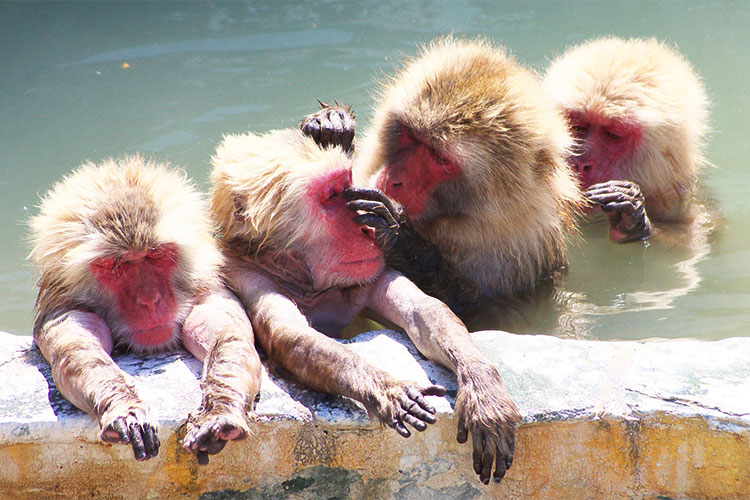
pixel 116 432
pixel 432 390
pixel 150 440
pixel 373 221
pixel 487 458
pixel 373 194
pixel 626 207
pixel 414 422
pixel 399 427
pixel 373 207
pixel 202 457
pixel 463 433
pixel 477 454
pixel 413 408
pixel 511 444
pixel 417 396
pixel 136 440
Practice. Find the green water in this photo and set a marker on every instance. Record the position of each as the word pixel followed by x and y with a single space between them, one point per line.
pixel 198 70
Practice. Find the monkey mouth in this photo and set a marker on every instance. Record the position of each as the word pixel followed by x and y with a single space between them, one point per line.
pixel 155 336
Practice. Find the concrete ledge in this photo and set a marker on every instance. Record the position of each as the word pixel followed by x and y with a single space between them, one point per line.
pixel 604 420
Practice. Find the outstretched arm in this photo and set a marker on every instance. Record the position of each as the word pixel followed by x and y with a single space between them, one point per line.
pixel 325 365
pixel 483 406
pixel 408 252
pixel 218 332
pixel 77 345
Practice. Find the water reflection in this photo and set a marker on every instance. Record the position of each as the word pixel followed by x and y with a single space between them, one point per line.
pixel 199 70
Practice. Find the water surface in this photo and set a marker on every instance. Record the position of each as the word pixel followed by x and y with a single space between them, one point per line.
pixel 84 81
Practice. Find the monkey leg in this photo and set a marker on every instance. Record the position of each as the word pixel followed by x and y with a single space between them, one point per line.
pixel 77 345
pixel 331 126
pixel 624 207
pixel 483 406
pixel 219 333
pixel 409 253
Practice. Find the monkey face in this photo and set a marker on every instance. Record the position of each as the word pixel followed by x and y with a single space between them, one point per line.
pixel 413 170
pixel 603 146
pixel 140 282
pixel 339 251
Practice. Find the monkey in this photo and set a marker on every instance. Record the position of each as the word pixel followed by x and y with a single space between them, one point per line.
pixel 638 112
pixel 126 258
pixel 472 195
pixel 304 268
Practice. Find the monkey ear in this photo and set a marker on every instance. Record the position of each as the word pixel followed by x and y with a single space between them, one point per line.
pixel 240 208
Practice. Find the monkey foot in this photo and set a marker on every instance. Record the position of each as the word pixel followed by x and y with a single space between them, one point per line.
pixel 135 429
pixel 331 126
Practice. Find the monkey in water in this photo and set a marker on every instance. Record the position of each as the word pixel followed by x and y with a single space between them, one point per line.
pixel 304 269
pixel 125 257
pixel 468 155
pixel 638 112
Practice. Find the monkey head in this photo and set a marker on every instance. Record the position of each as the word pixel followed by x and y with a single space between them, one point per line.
pixel 464 125
pixel 129 241
pixel 637 111
pixel 280 193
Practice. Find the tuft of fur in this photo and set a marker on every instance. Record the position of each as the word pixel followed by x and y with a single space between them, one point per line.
pixel 106 210
pixel 647 82
pixel 503 221
pixel 258 184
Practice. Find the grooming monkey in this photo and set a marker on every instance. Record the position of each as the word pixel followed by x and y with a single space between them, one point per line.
pixel 474 196
pixel 125 256
pixel 304 269
pixel 638 112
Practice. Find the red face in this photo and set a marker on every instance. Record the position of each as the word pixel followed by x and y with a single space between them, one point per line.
pixel 603 145
pixel 412 173
pixel 351 251
pixel 141 284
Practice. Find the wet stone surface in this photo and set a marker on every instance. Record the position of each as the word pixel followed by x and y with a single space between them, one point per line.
pixel 604 418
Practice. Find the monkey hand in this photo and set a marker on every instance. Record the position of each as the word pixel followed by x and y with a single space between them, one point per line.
pixel 624 207
pixel 132 425
pixel 332 126
pixel 379 212
pixel 484 409
pixel 209 431
pixel 404 403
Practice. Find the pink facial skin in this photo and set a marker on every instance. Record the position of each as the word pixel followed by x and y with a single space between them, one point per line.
pixel 141 284
pixel 352 250
pixel 602 146
pixel 413 172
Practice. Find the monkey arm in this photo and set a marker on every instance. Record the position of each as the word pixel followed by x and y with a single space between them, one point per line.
pixel 325 365
pixel 218 332
pixel 623 204
pixel 408 252
pixel 331 126
pixel 483 406
pixel 77 345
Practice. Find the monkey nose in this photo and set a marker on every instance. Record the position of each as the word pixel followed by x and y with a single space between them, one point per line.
pixel 148 297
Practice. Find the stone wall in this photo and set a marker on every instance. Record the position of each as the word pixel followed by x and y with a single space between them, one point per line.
pixel 601 420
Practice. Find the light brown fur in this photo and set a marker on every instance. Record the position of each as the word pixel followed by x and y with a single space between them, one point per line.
pixel 108 210
pixel 503 221
pixel 280 269
pixel 650 83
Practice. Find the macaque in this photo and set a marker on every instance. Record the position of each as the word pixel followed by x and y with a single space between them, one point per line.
pixel 474 197
pixel 126 257
pixel 304 268
pixel 638 113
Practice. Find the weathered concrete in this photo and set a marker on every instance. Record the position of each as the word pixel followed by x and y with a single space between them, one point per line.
pixel 601 420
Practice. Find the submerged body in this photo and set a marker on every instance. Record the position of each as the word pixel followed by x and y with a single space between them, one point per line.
pixel 468 154
pixel 639 114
